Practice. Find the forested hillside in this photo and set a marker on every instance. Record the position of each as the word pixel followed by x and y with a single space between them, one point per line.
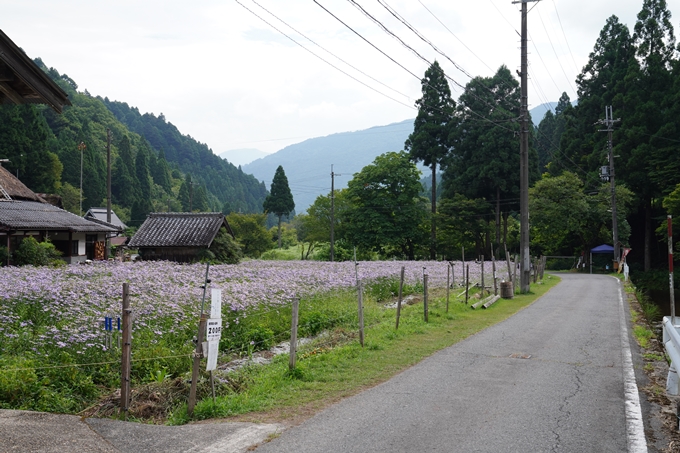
pixel 236 190
pixel 154 166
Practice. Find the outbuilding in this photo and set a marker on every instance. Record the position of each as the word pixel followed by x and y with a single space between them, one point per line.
pixel 178 236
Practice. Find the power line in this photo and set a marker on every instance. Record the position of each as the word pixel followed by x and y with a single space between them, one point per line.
pixel 555 52
pixel 565 36
pixel 322 59
pixel 329 52
pixel 378 49
pixel 367 41
pixel 420 35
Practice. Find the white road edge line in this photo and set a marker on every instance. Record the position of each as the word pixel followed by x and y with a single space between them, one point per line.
pixel 635 429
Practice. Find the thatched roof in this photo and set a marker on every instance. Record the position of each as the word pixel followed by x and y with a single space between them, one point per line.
pixel 178 229
pixel 16 189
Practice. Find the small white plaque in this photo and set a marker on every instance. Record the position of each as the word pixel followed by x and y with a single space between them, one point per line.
pixel 213 349
pixel 213 330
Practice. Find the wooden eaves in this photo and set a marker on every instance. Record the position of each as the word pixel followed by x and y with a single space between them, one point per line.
pixel 23 82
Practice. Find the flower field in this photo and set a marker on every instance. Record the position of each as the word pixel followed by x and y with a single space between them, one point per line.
pixel 69 304
pixel 53 317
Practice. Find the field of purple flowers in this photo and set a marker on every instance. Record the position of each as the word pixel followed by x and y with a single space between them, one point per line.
pixel 55 315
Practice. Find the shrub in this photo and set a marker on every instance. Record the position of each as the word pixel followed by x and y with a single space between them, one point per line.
pixel 34 253
pixel 4 254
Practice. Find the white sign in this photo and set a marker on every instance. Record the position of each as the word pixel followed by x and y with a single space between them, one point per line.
pixel 213 330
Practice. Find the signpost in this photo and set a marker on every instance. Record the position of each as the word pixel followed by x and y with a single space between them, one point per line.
pixel 214 329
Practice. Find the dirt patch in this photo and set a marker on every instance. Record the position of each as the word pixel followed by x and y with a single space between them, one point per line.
pixel 662 430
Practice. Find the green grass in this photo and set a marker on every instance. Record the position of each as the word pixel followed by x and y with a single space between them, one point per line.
pixel 643 335
pixel 337 366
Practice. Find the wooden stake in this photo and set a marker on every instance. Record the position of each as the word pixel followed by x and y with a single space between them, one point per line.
pixel 361 314
pixel 467 283
pixel 126 352
pixel 495 280
pixel 196 368
pixel 515 283
pixel 425 307
pixel 448 285
pixel 293 334
pixel 482 262
pixel 401 289
pixel 507 259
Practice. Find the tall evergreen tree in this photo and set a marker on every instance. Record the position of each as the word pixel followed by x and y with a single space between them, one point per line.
pixel 648 85
pixel 185 194
pixel 600 84
pixel 429 141
pixel 25 140
pixel 485 160
pixel 280 200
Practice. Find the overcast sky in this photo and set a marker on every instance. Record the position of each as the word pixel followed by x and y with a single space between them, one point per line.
pixel 228 79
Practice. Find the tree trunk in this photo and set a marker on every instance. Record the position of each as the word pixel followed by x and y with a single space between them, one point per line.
pixel 433 226
pixel 280 231
pixel 648 233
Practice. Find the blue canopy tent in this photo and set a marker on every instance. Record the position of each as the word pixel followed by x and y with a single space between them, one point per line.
pixel 604 248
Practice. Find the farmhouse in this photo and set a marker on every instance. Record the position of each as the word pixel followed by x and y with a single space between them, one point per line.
pixel 23 213
pixel 175 236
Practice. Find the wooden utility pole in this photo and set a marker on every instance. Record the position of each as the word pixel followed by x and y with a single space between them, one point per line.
pixel 609 123
pixel 525 258
pixel 81 147
pixel 108 190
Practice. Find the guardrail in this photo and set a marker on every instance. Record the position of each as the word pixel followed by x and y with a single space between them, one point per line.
pixel 671 342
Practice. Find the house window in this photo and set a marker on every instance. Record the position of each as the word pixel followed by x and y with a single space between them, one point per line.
pixel 74 247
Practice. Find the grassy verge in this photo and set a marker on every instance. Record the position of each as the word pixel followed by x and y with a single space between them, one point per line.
pixel 336 366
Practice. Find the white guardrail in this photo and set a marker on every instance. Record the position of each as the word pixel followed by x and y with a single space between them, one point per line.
pixel 671 341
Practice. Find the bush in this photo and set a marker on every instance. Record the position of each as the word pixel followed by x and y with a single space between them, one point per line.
pixel 4 255
pixel 34 253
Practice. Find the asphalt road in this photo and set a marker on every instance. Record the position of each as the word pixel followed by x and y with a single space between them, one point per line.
pixel 556 377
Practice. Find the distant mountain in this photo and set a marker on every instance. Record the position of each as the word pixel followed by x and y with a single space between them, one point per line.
pixel 538 112
pixel 242 156
pixel 308 164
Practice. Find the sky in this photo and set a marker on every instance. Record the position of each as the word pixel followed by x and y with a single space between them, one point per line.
pixel 230 80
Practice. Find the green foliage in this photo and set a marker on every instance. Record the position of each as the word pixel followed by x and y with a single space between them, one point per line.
pixel 70 198
pixel 463 222
pixel 4 255
pixel 34 253
pixel 564 220
pixel 386 211
pixel 288 235
pixel 221 181
pixel 225 248
pixel 251 233
pixel 280 200
pixel 430 141
pixel 26 140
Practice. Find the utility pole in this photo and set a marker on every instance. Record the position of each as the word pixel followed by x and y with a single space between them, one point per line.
pixel 81 147
pixel 609 123
pixel 525 257
pixel 108 190
pixel 333 175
